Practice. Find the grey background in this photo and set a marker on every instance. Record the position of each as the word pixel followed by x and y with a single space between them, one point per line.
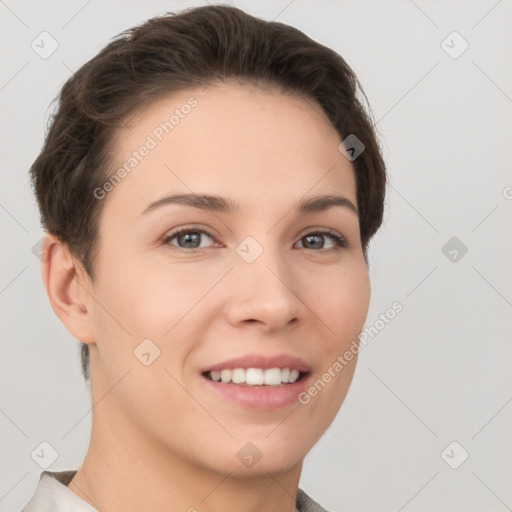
pixel 437 373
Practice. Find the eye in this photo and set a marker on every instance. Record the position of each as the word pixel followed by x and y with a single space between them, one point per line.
pixel 187 238
pixel 316 240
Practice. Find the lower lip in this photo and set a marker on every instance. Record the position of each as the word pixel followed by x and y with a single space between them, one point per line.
pixel 260 398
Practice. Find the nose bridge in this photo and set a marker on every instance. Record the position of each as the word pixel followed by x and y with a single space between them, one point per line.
pixel 264 287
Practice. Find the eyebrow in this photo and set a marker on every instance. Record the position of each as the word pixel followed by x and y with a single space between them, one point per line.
pixel 223 205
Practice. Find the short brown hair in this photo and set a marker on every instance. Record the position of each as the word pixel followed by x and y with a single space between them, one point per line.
pixel 193 48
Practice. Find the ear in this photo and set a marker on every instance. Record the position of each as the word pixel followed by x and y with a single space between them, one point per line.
pixel 69 288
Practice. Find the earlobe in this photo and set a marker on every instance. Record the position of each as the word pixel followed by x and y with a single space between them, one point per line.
pixel 66 288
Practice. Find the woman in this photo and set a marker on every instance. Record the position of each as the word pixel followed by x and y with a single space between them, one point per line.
pixel 209 186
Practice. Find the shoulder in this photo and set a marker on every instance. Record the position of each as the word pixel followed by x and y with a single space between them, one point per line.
pixel 53 495
pixel 306 504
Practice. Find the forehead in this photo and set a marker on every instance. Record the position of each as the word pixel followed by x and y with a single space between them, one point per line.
pixel 229 140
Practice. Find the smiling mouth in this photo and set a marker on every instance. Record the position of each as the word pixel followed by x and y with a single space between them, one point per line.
pixel 256 377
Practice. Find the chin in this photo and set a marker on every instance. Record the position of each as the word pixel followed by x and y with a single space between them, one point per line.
pixel 271 463
pixel 259 455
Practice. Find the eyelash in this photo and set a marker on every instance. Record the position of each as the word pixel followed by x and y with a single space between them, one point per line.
pixel 340 242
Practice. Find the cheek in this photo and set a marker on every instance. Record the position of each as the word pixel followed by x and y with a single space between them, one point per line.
pixel 150 298
pixel 166 304
pixel 161 301
pixel 342 304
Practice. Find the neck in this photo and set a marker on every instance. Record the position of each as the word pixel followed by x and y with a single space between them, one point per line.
pixel 124 471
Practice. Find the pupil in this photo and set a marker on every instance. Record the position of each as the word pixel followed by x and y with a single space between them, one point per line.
pixel 190 238
pixel 318 238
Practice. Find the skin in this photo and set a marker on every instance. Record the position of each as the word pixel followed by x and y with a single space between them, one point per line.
pixel 161 440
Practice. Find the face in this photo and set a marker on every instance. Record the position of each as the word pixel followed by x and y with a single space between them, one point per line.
pixel 256 278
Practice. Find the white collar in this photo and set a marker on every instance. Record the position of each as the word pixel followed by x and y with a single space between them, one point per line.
pixel 53 495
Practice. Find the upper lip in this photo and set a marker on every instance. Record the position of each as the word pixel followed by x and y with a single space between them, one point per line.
pixel 262 361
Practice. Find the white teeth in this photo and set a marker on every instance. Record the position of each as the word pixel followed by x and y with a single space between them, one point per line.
pixel 225 375
pixel 272 377
pixel 256 376
pixel 294 375
pixel 238 375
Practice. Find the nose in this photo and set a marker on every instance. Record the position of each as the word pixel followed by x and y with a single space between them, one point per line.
pixel 265 293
